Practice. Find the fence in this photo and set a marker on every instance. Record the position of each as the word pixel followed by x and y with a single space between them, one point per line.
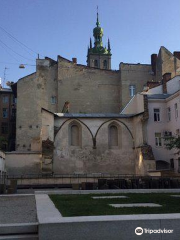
pixel 94 181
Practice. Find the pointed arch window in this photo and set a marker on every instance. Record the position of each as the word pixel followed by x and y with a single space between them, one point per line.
pixel 75 135
pixel 114 136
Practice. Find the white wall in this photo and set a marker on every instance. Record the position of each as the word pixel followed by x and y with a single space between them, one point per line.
pixel 173 85
pixel 135 105
pixel 161 153
pixel 2 162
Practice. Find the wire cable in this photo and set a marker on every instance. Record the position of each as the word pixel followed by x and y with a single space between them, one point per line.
pixel 26 64
pixel 9 52
pixel 15 51
pixel 12 37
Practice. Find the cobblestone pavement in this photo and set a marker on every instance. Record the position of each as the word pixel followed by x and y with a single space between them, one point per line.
pixel 17 209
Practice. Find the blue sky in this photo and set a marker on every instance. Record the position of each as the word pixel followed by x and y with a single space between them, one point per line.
pixel 63 27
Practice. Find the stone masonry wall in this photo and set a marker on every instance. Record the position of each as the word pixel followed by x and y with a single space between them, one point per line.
pixel 33 93
pixel 86 159
pixel 133 74
pixel 88 90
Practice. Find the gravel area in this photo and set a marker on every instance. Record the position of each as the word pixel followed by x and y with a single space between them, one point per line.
pixel 17 209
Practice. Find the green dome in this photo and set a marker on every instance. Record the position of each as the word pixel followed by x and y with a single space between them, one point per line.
pixel 98 50
pixel 98 31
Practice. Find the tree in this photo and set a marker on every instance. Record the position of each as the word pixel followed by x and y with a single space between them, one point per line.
pixel 173 143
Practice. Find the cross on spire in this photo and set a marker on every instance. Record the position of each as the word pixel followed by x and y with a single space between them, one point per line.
pixel 97 23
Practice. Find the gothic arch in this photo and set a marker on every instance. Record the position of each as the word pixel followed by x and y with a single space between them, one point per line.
pixel 115 120
pixel 114 135
pixel 75 134
pixel 79 121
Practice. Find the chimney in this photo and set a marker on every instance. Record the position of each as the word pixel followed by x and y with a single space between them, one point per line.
pixel 153 62
pixel 166 78
pixel 177 54
pixel 74 60
pixel 152 84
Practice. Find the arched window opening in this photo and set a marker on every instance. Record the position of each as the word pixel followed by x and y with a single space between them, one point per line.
pixel 75 136
pixel 105 64
pixel 113 136
pixel 96 63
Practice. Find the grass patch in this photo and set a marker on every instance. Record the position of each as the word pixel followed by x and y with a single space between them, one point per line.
pixel 84 205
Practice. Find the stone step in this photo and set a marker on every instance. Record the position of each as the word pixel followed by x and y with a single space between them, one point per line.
pixel 18 228
pixel 20 237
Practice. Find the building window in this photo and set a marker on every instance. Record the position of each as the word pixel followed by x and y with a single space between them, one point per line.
pixel 114 136
pixel 156 114
pixel 75 132
pixel 169 113
pixel 96 63
pixel 5 99
pixel 53 100
pixel 158 139
pixel 176 110
pixel 5 112
pixel 132 90
pixel 14 100
pixel 177 132
pixel 13 112
pixel 105 64
pixel 4 128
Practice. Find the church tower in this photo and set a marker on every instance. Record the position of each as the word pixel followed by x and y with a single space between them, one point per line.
pixel 99 56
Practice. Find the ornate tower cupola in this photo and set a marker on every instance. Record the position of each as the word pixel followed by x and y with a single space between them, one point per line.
pixel 98 56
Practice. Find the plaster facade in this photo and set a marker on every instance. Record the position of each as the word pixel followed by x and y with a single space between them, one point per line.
pixel 94 153
pixel 89 90
pixel 2 163
pixel 168 122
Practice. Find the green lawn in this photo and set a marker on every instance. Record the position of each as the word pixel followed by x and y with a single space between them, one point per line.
pixel 84 205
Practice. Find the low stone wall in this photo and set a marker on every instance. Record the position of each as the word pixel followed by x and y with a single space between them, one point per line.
pixel 23 163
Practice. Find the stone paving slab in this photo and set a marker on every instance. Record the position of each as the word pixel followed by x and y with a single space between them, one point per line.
pixel 111 191
pixel 135 205
pixel 46 210
pixel 109 197
pixel 17 209
pixel 178 196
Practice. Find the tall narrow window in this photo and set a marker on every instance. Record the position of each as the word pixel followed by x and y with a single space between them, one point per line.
pixel 176 110
pixel 4 128
pixel 75 134
pixel 96 63
pixel 113 136
pixel 156 114
pixel 5 112
pixel 53 100
pixel 169 113
pixel 13 114
pixel 5 99
pixel 158 139
pixel 105 64
pixel 132 90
